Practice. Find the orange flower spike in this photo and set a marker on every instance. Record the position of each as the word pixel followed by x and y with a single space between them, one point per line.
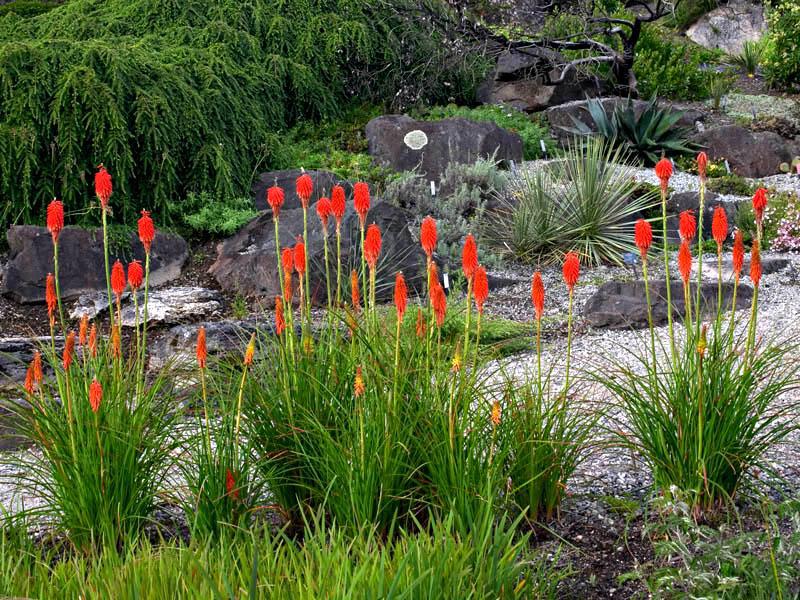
pixel 280 319
pixel 102 185
pixel 571 270
pixel 480 288
pixel 355 297
pixel 400 296
pixel 287 261
pixel 755 264
pixel 50 296
pixel 29 380
pixel 83 330
pixel 433 276
pixel 427 236
pixel 275 198
pixel 38 375
pixel 147 230
pixel 685 261
pixel 687 225
pixel 135 275
pixel 759 203
pixel 202 350
pixel 118 279
pixel 299 256
pixel 537 294
pixel 702 165
pixel 372 246
pixel 361 200
pixel 287 288
pixel 358 385
pixel 93 340
pixel 643 236
pixel 719 226
pixel 55 219
pixel 338 204
pixel 421 327
pixel 324 213
pixel 469 257
pixel 95 395
pixel 664 172
pixel 738 253
pixel 250 351
pixel 496 413
pixel 439 301
pixel 69 349
pixel 304 186
pixel 116 343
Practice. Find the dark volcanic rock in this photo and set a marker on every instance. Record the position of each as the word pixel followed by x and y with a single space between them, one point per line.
pixel 80 261
pixel 749 154
pixel 323 182
pixel 404 144
pixel 681 201
pixel 622 304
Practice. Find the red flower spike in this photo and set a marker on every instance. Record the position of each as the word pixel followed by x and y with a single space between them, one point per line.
pixel 664 172
pixel 537 295
pixel 469 257
pixel 738 253
pixel 719 225
pixel 116 343
pixel 643 236
pixel 480 288
pixel 287 288
pixel 702 164
pixel 759 203
pixel 50 296
pixel 135 275
pixel 571 269
pixel 118 279
pixel 687 225
pixel 93 340
pixel 230 485
pixel 287 261
pixel 355 297
pixel 69 349
pixel 338 204
pixel 147 230
pixel 102 186
pixel 55 219
pixel 202 350
pixel 299 256
pixel 324 213
pixel 400 295
pixel 361 201
pixel 439 302
pixel 372 246
pixel 95 395
pixel 427 236
pixel 433 276
pixel 83 330
pixel 37 367
pixel 275 200
pixel 29 380
pixel 280 320
pixel 421 327
pixel 304 187
pixel 685 261
pixel 755 264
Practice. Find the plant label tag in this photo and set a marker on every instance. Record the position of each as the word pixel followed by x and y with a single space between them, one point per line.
pixel 433 188
pixel 543 147
pixel 727 166
pixel 446 281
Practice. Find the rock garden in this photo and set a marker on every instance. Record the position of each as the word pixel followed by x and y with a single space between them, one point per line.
pixel 475 299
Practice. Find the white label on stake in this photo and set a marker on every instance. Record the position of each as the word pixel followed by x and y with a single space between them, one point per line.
pixel 446 281
pixel 727 166
pixel 543 147
pixel 433 188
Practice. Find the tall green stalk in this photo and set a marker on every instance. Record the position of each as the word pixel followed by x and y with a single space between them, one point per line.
pixel 700 254
pixel 649 311
pixel 58 287
pixel 105 258
pixel 338 265
pixel 467 318
pixel 666 271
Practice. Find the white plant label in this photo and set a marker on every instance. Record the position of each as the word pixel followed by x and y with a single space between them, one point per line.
pixel 446 281
pixel 433 188
pixel 416 140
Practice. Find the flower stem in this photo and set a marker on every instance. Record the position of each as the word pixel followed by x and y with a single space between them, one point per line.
pixel 105 257
pixel 666 271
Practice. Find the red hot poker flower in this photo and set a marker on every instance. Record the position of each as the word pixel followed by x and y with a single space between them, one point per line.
pixel 537 294
pixel 361 201
pixel 83 330
pixel 304 187
pixel 299 256
pixel 755 264
pixel 702 164
pixel 250 351
pixel 571 270
pixel 135 275
pixel 117 279
pixel 480 287
pixel 37 367
pixel 687 225
pixel 324 213
pixel 287 261
pixel 759 203
pixel 29 380
pixel 230 485
pixel 280 319
pixel 420 325
pixel 55 218
pixel 275 200
pixel 400 295
pixel 372 246
pixel 147 231
pixel 719 226
pixel 69 349
pixel 664 172
pixel 102 186
pixel 439 302
pixel 50 296
pixel 685 261
pixel 427 236
pixel 643 236
pixel 95 395
pixel 93 340
pixel 202 350
pixel 738 253
pixel 116 344
pixel 358 385
pixel 469 257
pixel 355 297
pixel 337 204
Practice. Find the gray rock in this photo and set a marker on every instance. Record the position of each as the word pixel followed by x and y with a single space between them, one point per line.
pixel 246 263
pixel 729 26
pixel 622 304
pixel 167 305
pixel 401 143
pixel 769 266
pixel 16 354
pixel 81 268
pixel 323 182
pixel 681 201
pixel 749 154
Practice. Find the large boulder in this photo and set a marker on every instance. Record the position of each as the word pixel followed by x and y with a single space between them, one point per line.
pixel 729 26
pixel 749 154
pixel 323 182
pixel 401 143
pixel 80 261
pixel 524 80
pixel 246 262
pixel 681 201
pixel 623 304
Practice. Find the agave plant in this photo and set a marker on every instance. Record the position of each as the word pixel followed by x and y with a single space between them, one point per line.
pixel 647 137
